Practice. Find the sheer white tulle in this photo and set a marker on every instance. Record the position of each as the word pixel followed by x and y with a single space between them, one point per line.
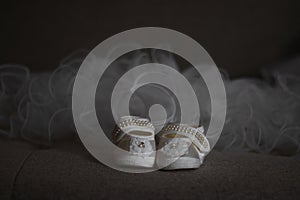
pixel 262 116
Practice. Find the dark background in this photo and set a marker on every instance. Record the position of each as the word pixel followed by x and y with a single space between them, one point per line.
pixel 241 36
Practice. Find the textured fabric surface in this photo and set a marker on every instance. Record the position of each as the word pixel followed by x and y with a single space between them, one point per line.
pixel 12 157
pixel 67 171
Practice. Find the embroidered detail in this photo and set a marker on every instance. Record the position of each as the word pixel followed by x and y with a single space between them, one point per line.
pixel 140 146
pixel 176 149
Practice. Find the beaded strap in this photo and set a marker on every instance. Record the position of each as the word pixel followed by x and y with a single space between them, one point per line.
pixel 195 134
pixel 118 133
pixel 135 122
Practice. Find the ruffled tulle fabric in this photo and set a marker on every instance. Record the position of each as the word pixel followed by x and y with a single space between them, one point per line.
pixel 37 106
pixel 263 115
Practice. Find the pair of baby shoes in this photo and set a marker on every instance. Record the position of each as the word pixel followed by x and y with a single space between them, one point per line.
pixel 176 146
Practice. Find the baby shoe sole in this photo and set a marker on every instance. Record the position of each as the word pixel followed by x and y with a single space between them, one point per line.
pixel 180 163
pixel 136 161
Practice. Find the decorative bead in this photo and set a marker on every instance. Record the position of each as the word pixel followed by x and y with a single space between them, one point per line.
pixel 141 145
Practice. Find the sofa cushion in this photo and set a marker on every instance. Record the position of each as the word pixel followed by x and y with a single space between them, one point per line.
pixel 68 171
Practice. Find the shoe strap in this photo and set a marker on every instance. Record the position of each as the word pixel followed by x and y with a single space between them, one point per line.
pixel 132 123
pixel 195 134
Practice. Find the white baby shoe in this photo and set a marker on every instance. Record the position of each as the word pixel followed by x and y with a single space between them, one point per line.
pixel 181 147
pixel 136 136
